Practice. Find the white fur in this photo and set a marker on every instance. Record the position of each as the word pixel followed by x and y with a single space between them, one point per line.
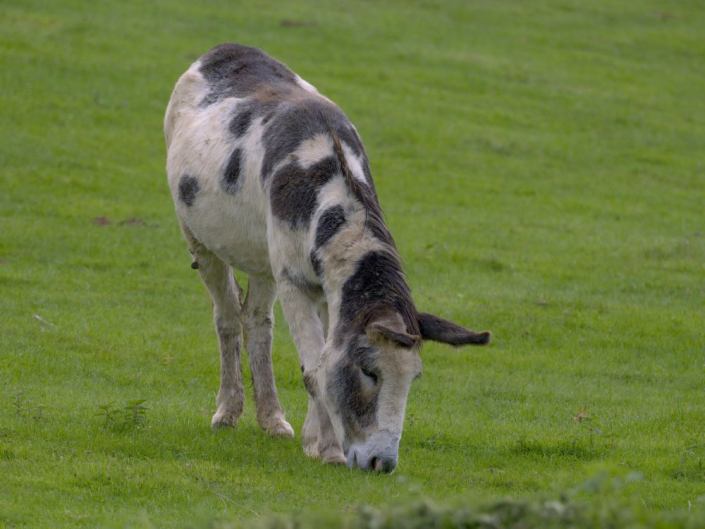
pixel 306 85
pixel 314 149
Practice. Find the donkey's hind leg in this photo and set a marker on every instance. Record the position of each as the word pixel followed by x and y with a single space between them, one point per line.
pixel 258 319
pixel 225 293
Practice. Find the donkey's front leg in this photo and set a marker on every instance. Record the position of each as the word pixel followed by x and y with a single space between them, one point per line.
pixel 311 428
pixel 307 331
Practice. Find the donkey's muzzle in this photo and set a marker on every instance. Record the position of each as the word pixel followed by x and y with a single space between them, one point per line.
pixel 379 454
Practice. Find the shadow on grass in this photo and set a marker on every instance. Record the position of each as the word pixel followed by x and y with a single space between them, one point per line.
pixel 569 449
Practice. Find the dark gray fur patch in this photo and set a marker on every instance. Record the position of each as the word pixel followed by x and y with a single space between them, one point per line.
pixel 310 384
pixel 231 181
pixel 241 122
pixel 267 118
pixel 248 111
pixel 349 136
pixel 376 287
pixel 316 263
pixel 294 190
pixel 234 70
pixel 357 403
pixel 300 120
pixel 330 221
pixel 188 189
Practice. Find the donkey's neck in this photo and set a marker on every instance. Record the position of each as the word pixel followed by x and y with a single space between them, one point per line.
pixel 363 277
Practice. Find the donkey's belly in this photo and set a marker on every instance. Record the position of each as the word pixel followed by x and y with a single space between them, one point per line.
pixel 232 228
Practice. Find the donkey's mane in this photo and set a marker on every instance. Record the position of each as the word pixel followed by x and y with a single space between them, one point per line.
pixel 374 217
pixel 397 291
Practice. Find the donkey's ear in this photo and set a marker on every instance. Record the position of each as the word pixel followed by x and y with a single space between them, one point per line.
pixel 440 330
pixel 392 329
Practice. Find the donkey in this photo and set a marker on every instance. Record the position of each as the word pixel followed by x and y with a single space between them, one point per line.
pixel 270 177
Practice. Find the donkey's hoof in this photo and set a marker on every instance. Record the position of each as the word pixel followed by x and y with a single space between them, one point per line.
pixel 223 420
pixel 311 449
pixel 278 427
pixel 334 458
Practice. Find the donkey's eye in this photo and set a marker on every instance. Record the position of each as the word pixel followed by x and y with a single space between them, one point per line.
pixel 369 374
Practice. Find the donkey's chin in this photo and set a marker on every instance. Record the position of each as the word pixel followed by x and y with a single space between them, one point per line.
pixel 379 454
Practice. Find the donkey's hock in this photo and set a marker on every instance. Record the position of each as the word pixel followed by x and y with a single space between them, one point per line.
pixel 270 177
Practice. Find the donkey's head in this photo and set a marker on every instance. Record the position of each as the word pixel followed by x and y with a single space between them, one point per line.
pixel 366 374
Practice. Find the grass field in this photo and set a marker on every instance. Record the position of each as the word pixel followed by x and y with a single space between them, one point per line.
pixel 542 168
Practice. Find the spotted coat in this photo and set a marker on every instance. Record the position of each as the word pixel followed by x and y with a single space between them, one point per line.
pixel 271 178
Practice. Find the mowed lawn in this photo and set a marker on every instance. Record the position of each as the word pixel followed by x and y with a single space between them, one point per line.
pixel 541 166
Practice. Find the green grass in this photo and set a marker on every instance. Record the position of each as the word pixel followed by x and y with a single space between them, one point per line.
pixel 541 165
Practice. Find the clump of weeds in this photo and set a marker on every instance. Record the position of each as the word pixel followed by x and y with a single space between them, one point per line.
pixel 589 428
pixel 131 416
pixel 692 462
pixel 26 408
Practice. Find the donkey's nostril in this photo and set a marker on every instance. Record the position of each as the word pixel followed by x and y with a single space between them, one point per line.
pixel 376 464
pixel 382 464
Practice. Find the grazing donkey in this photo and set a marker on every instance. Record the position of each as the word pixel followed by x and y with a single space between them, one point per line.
pixel 268 176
